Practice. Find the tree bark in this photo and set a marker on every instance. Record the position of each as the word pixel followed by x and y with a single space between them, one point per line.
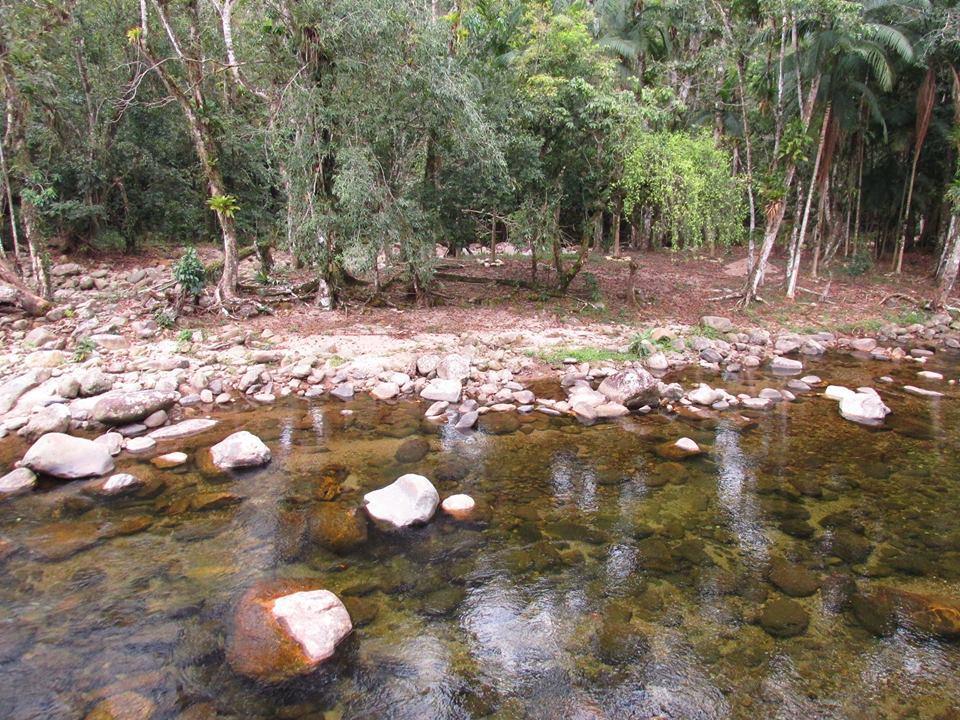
pixel 27 299
pixel 952 263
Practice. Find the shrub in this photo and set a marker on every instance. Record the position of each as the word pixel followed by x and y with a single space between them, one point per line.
pixel 189 273
pixel 860 263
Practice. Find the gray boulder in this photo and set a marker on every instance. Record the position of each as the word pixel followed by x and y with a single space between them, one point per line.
pixel 129 407
pixel 629 387
pixel 67 457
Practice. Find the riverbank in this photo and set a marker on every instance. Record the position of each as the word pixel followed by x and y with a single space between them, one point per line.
pixel 110 336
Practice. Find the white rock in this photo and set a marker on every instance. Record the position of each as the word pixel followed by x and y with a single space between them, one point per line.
pixel 170 460
pixel 139 445
pixel 704 395
pixel 316 619
pixel 687 445
pixel 929 375
pixel 17 482
pixel 67 457
pixel 113 441
pixel 786 365
pixel 240 450
pixel 922 392
pixel 837 392
pixel 863 407
pixel 51 419
pixel 453 367
pixel 459 506
pixel 120 483
pixel 385 390
pixel 410 499
pixel 445 390
pixel 437 409
pixel 611 410
pixel 183 429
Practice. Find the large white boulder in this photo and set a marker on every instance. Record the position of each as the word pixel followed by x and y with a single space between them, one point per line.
pixel 629 386
pixel 865 408
pixel 68 457
pixel 409 500
pixel 453 367
pixel 241 450
pixel 445 390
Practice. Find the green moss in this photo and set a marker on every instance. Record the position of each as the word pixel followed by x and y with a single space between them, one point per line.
pixel 556 356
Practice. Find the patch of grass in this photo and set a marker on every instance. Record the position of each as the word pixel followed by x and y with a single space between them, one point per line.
pixel 556 356
pixel 336 361
pixel 640 348
pixel 708 332
pixel 164 319
pixel 185 336
pixel 911 317
pixel 867 325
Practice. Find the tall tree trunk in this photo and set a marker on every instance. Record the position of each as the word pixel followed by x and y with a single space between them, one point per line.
pixel 775 211
pixel 948 276
pixel 798 249
pixel 617 212
pixel 39 262
pixel 926 98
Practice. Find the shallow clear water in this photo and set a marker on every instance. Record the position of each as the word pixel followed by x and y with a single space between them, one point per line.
pixel 598 581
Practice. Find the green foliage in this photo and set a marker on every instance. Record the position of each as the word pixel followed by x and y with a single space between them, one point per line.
pixel 860 263
pixel 642 345
pixel 185 336
pixel 83 349
pixel 224 204
pixel 557 356
pixel 164 319
pixel 189 272
pixel 592 285
pixel 686 178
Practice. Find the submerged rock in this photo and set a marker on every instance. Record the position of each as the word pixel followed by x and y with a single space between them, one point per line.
pixel 68 457
pixel 183 429
pixel 784 618
pixel 682 448
pixel 337 527
pixel 128 705
pixel 285 628
pixel 882 610
pixel 794 580
pixel 412 450
pixel 409 500
pixel 240 450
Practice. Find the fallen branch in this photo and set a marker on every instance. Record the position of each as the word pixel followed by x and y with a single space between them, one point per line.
pixel 456 277
pixel 31 303
pixel 902 296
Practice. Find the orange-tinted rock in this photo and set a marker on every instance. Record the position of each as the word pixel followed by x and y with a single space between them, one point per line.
pixel 263 642
pixel 883 609
pixel 337 527
pixel 125 706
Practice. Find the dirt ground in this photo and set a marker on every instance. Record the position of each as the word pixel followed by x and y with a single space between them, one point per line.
pixel 671 288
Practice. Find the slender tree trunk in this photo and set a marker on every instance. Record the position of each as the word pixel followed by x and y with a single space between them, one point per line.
pixel 617 212
pixel 798 251
pixel 948 276
pixel 14 236
pixel 38 256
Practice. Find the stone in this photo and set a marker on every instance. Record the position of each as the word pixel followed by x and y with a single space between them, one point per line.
pixel 864 407
pixel 837 392
pixel 682 448
pixel 704 395
pixel 437 409
pixel 864 345
pixel 881 610
pixel 51 419
pixel 140 445
pixel 17 482
pixel 66 270
pixel 792 579
pixel 122 408
pixel 156 419
pixel 784 618
pixel 202 502
pixel 385 390
pixel 39 337
pixel 128 705
pixel 184 428
pixel 412 450
pixel 427 364
pixel 169 460
pixel 657 361
pixel 67 457
pixel 409 500
pixel 12 389
pixel 714 322
pixel 922 392
pixel 343 391
pixel 242 449
pixel 53 542
pixel 629 387
pixel 283 629
pixel 119 484
pixel 467 420
pixel 784 365
pixel 453 367
pixel 459 506
pixel 929 375
pixel 445 390
pixel 611 410
pixel 113 441
pixel 336 527
pixel 94 382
